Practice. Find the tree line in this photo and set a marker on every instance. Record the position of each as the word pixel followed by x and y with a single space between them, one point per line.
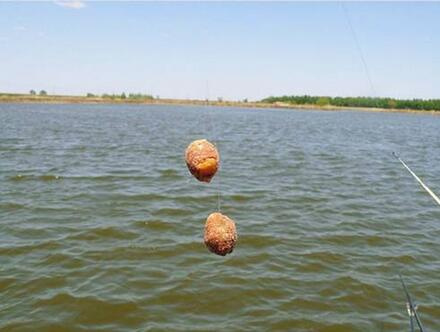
pixel 137 96
pixel 368 102
pixel 105 95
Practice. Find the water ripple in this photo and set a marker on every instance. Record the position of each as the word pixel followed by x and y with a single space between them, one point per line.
pixel 101 224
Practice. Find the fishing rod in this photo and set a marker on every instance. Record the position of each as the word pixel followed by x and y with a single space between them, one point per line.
pixel 429 191
pixel 410 306
pixel 412 309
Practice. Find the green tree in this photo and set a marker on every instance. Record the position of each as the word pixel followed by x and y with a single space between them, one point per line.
pixel 43 93
pixel 391 103
pixel 32 92
pixel 90 95
pixel 123 96
pixel 323 101
pixel 139 96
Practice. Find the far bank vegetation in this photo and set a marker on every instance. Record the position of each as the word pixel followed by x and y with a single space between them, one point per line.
pixel 123 95
pixel 358 102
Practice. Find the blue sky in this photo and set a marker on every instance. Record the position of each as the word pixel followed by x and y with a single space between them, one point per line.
pixel 229 50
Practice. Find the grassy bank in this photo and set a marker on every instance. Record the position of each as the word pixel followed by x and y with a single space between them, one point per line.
pixel 148 100
pixel 114 99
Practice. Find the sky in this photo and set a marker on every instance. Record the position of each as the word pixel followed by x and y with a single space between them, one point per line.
pixel 221 49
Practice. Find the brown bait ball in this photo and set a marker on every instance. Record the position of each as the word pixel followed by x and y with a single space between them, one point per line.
pixel 202 159
pixel 220 234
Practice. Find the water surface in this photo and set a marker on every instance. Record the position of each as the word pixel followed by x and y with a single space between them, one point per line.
pixel 101 225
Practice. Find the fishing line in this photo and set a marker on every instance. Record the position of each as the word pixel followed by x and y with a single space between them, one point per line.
pixel 215 131
pixel 429 191
pixel 358 46
pixel 216 134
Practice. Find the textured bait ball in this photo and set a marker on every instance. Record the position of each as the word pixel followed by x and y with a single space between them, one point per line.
pixel 202 159
pixel 220 234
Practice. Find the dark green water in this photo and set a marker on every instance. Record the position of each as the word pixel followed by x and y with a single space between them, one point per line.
pixel 101 225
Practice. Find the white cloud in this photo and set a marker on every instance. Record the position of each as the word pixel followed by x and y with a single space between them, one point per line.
pixel 73 4
pixel 19 28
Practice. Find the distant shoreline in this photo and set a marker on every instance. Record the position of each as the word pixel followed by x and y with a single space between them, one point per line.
pixel 57 99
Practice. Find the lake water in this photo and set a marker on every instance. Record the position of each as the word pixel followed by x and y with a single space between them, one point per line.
pixel 101 224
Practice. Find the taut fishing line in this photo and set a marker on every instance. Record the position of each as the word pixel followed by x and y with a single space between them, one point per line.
pixel 217 141
pixel 358 46
pixel 215 132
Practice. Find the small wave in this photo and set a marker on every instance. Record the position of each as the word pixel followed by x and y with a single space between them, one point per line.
pixel 340 239
pixel 188 199
pixel 169 174
pixel 9 206
pixel 141 197
pixel 366 297
pixel 104 234
pixel 44 282
pixel 90 309
pixel 141 252
pixel 176 250
pixel 6 282
pixel 19 177
pixel 325 256
pixel 404 259
pixel 258 241
pixel 306 303
pixel 249 261
pixel 311 267
pixel 105 178
pixel 46 177
pixel 174 212
pixel 19 250
pixel 312 325
pixel 49 177
pixel 156 225
pixel 64 260
pixel 242 198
